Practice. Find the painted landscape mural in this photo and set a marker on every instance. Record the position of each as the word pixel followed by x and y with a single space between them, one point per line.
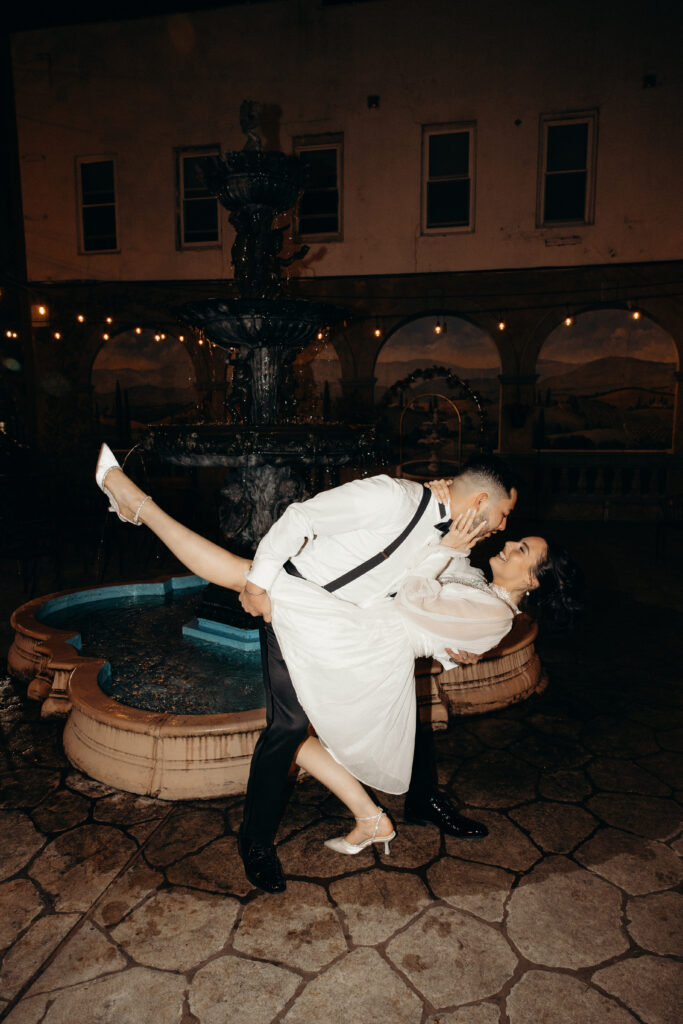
pixel 606 381
pixel 430 428
pixel 137 380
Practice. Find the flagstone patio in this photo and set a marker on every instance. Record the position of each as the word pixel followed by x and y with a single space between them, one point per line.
pixel 118 909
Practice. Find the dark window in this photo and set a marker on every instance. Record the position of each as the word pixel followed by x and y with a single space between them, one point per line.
pixel 319 209
pixel 98 206
pixel 448 179
pixel 566 172
pixel 198 208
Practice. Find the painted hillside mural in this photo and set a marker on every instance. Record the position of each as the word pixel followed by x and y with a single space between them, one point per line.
pixel 137 380
pixel 431 426
pixel 606 381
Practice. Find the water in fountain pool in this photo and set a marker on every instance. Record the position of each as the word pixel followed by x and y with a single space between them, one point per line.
pixel 155 668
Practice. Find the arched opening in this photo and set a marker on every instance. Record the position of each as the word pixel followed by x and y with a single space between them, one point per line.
pixel 317 374
pixel 425 407
pixel 606 381
pixel 140 379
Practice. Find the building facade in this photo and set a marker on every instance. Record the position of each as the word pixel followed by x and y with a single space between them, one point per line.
pixel 506 164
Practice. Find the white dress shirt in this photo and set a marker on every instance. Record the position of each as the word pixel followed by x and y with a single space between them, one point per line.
pixel 339 529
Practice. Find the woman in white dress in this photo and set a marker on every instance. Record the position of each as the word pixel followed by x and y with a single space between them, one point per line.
pixel 353 668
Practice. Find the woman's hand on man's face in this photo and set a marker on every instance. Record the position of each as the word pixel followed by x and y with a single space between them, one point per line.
pixel 462 535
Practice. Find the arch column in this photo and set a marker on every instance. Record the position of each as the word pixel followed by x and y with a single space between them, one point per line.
pixel 358 396
pixel 516 420
pixel 677 437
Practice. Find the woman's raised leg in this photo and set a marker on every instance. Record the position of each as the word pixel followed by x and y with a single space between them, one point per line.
pixel 199 555
pixel 313 758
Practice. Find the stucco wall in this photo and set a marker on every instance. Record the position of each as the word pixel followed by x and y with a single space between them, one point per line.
pixel 138 89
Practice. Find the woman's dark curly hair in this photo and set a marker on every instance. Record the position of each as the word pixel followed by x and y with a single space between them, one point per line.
pixel 559 594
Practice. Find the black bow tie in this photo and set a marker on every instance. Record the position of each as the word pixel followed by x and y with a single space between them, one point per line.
pixel 443 527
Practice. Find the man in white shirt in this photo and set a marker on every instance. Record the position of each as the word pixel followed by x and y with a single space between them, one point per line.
pixel 329 538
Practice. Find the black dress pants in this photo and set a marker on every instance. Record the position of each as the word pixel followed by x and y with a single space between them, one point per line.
pixel 286 727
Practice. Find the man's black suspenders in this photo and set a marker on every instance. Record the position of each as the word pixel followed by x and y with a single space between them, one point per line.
pixel 377 559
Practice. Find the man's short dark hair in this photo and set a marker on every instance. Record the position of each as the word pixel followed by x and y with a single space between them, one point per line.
pixel 492 468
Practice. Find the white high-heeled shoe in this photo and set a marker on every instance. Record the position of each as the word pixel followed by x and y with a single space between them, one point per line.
pixel 106 461
pixel 342 845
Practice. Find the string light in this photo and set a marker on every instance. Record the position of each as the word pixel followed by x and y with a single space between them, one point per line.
pixel 181 337
pixel 105 337
pixel 501 325
pixel 163 337
pixel 108 320
pixel 57 336
pixel 568 321
pixel 138 330
pixel 8 334
pixel 157 337
pixel 320 335
pixel 42 310
pixel 437 327
pixel 201 341
pixel 635 315
pixel 80 318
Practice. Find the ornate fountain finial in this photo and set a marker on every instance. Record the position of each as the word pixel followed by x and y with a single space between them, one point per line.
pixel 250 119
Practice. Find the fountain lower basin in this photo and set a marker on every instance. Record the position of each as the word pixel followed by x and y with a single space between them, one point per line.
pixel 166 754
pixel 179 756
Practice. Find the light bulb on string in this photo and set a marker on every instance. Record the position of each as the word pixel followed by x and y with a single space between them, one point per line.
pixel 501 325
pixel 42 310
pixel 157 337
pixel 80 318
pixel 568 321
pixel 108 320
pixel 635 315
pixel 57 335
pixel 437 327
pixel 8 334
pixel 181 337
pixel 138 330
pixel 105 337
pixel 320 335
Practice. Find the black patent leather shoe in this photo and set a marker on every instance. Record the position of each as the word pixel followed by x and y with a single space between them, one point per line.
pixel 261 865
pixel 436 809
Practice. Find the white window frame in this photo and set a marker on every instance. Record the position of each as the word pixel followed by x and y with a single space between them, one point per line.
pixel 589 117
pixel 330 140
pixel 469 127
pixel 80 162
pixel 180 153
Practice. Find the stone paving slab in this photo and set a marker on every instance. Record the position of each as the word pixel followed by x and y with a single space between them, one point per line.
pixel 545 997
pixel 361 987
pixel 649 986
pixel 77 866
pixel 563 916
pixel 451 958
pixel 299 929
pixel 240 991
pixel 635 864
pixel 176 929
pixel 376 904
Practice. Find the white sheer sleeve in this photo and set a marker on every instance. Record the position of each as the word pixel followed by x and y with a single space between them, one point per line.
pixel 439 615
